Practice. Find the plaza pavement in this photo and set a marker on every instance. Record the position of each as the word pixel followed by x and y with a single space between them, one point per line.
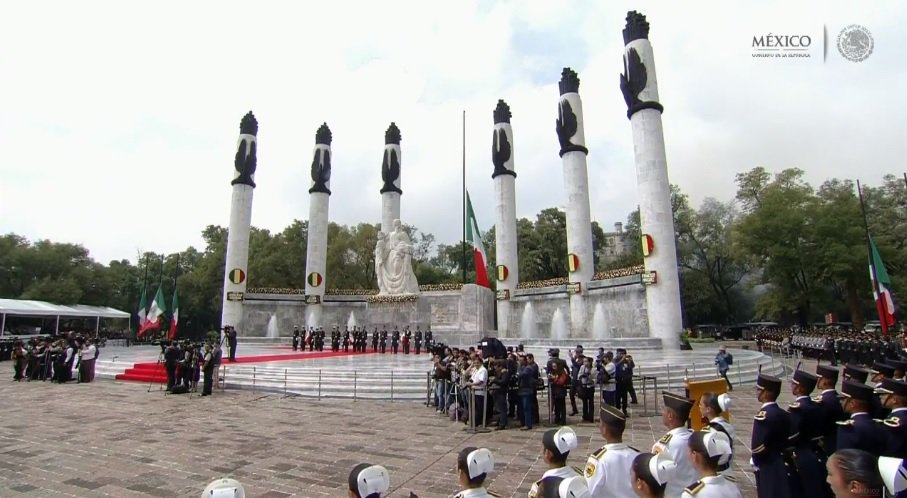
pixel 117 439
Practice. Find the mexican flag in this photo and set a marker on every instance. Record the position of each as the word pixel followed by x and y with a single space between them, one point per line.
pixel 155 312
pixel 176 314
pixel 474 237
pixel 881 288
pixel 141 313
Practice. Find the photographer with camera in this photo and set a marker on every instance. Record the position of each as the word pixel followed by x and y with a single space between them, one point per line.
pixel 624 365
pixel 576 361
pixel 558 383
pixel 499 386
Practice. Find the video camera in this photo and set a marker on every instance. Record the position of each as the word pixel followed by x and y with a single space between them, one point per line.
pixel 492 348
pixel 438 349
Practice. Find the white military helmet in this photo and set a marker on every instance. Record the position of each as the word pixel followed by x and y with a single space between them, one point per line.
pixel 224 488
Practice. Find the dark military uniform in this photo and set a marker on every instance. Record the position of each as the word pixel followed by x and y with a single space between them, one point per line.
pixel 295 338
pixel 860 431
pixel 375 340
pixel 395 341
pixel 418 341
pixel 384 341
pixel 319 343
pixel 771 428
pixel 832 412
pixel 806 434
pixel 895 426
pixel 879 371
pixel 429 341
pixel 346 341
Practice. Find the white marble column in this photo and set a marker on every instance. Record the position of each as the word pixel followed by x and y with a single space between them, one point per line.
pixel 640 89
pixel 576 183
pixel 237 258
pixel 317 244
pixel 390 174
pixel 507 267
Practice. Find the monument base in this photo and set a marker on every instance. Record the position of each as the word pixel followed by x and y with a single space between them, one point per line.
pixel 410 314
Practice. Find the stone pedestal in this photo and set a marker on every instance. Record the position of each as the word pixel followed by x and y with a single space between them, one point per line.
pixel 388 315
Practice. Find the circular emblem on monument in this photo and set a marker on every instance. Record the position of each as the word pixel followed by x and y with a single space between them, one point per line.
pixel 315 279
pixel 502 273
pixel 855 43
pixel 237 276
pixel 572 262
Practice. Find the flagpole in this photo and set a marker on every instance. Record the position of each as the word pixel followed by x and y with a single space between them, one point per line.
pixel 905 178
pixel 883 321
pixel 144 289
pixel 464 197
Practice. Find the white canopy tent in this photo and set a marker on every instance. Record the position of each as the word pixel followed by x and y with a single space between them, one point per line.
pixel 21 307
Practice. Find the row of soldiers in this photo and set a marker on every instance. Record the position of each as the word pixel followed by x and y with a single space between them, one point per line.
pixel 358 339
pixel 835 346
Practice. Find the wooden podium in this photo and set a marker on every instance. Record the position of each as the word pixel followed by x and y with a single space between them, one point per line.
pixel 695 390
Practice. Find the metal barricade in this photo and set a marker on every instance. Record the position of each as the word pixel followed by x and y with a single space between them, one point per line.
pixel 355 383
pixel 428 389
pixel 319 384
pixel 253 380
pixel 392 386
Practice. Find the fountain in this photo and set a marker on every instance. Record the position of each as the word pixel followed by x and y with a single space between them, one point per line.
pixel 527 323
pixel 351 323
pixel 310 321
pixel 558 325
pixel 272 328
pixel 599 329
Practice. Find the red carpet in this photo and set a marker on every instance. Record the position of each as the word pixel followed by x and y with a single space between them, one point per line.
pixel 155 372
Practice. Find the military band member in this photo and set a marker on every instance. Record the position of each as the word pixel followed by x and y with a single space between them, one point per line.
pixel 295 337
pixel 832 412
pixel 418 340
pixel 556 447
pixel 712 407
pixel 674 416
pixel 384 340
pixel 607 469
pixel 395 340
pixel 860 431
pixel 894 397
pixel 806 434
pixel 367 481
pixel 473 466
pixel 707 449
pixel 650 474
pixel 771 427
pixel 856 374
pixel 894 476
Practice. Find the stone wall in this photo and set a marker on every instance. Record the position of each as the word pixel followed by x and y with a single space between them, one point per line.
pixel 615 307
pixel 449 313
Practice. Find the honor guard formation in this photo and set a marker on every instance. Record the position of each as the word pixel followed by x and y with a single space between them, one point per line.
pixel 357 339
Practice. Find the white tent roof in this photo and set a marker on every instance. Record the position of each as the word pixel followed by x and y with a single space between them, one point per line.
pixel 41 308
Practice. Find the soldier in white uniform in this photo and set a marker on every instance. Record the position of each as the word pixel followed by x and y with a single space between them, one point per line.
pixel 650 474
pixel 712 407
pixel 563 487
pixel 473 466
pixel 607 469
pixel 556 447
pixel 707 448
pixel 368 481
pixel 674 443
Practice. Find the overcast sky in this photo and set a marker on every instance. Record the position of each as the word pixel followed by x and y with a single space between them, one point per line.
pixel 118 123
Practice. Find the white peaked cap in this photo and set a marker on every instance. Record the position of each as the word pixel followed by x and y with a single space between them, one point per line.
pixel 565 440
pixel 574 487
pixel 480 462
pixel 224 488
pixel 894 475
pixel 662 468
pixel 373 479
pixel 724 401
pixel 717 443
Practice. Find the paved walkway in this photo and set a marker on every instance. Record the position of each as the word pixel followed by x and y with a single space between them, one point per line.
pixel 117 439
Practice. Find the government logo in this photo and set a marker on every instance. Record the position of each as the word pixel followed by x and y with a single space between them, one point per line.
pixel 855 43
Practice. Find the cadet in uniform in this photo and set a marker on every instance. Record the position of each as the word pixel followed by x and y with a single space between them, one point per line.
pixel 859 431
pixel 375 340
pixel 607 469
pixel 650 475
pixel 295 337
pixel 856 374
pixel 429 341
pixel 319 340
pixel 383 340
pixel 395 340
pixel 712 407
pixel 899 367
pixel 806 434
pixel 418 340
pixel 674 443
pixel 707 449
pixel 771 427
pixel 473 466
pixel 406 336
pixel 561 487
pixel 831 407
pixel 556 447
pixel 346 340
pixel 894 397
pixel 368 480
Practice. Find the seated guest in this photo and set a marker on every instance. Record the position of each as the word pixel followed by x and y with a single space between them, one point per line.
pixel 473 466
pixel 368 481
pixel 650 474
pixel 707 449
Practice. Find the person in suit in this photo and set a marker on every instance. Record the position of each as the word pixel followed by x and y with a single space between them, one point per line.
pixel 771 428
pixel 893 394
pixel 806 433
pixel 860 431
pixel 828 401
